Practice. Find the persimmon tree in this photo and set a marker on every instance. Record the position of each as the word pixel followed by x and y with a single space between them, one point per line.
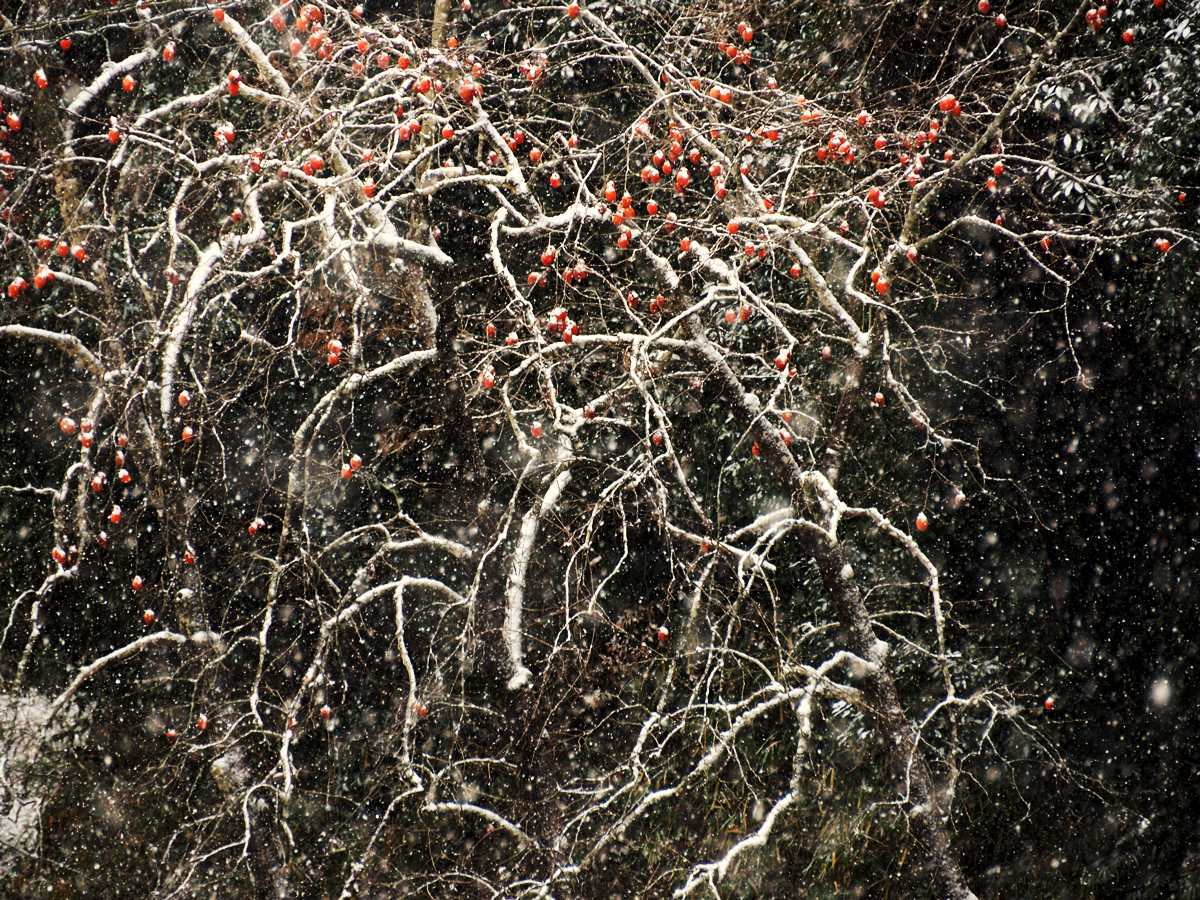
pixel 505 447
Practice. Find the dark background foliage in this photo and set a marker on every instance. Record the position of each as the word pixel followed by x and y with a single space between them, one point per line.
pixel 1071 568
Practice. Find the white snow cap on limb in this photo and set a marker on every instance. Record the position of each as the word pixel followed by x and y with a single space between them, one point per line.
pixel 518 570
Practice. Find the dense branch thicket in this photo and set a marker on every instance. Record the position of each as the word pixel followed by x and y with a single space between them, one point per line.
pixel 518 449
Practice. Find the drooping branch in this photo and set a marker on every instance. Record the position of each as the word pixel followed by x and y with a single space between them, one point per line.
pixel 91 669
pixel 67 343
pixel 514 595
pixel 109 72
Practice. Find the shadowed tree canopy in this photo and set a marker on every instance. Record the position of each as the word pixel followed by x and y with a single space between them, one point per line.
pixel 511 449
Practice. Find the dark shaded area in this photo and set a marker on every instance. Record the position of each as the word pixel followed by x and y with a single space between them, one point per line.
pixel 1072 567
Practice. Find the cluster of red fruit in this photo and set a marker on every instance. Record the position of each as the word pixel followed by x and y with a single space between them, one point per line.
pixel 86 428
pixel 840 146
pixel 86 431
pixel 349 468
pixel 558 321
pixel 44 276
pixel 576 274
pixel 186 435
pixel 985 8
pixel 533 69
pixel 655 306
pixel 224 135
pixel 12 123
pixel 312 165
pixel 882 285
pixel 739 55
pixel 1095 17
pixel 308 21
pixel 333 351
pixel 172 734
pixel 739 314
